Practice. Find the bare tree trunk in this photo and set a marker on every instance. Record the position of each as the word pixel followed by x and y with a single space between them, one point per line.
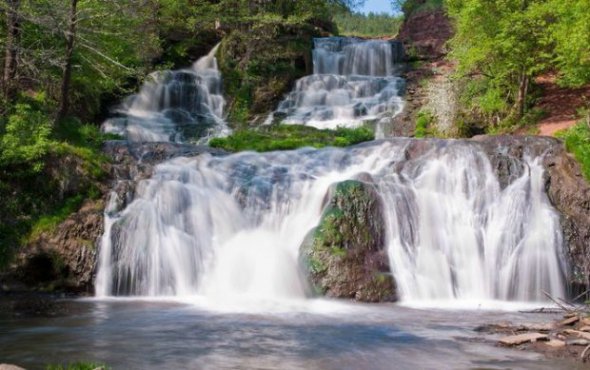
pixel 523 88
pixel 64 103
pixel 10 57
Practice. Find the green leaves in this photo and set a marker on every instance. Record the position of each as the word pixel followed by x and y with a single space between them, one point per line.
pixel 26 140
pixel 501 45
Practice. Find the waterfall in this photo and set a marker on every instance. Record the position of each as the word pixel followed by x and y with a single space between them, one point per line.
pixel 182 105
pixel 233 225
pixel 354 82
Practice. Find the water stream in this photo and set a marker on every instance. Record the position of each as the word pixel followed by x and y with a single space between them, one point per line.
pixel 200 270
pixel 180 106
pixel 231 227
pixel 354 81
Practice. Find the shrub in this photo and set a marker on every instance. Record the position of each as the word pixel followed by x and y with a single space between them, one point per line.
pixel 577 142
pixel 26 140
pixel 287 137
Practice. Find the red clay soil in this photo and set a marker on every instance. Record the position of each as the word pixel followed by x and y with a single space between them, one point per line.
pixel 425 34
pixel 560 104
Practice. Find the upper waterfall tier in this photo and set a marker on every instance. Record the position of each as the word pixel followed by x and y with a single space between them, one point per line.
pixel 232 226
pixel 178 106
pixel 352 56
pixel 354 82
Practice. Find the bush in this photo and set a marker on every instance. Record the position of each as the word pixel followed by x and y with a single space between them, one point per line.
pixel 26 140
pixel 423 121
pixel 287 137
pixel 78 366
pixel 577 142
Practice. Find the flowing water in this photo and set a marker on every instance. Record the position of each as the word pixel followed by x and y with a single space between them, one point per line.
pixel 354 81
pixel 231 227
pixel 200 270
pixel 179 106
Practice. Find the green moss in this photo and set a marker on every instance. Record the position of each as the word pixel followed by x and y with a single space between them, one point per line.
pixel 50 221
pixel 257 76
pixel 316 265
pixel 78 366
pixel 35 202
pixel 287 137
pixel 423 122
pixel 577 142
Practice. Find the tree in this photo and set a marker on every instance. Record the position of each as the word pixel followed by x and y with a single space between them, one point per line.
pixel 11 47
pixel 64 102
pixel 504 45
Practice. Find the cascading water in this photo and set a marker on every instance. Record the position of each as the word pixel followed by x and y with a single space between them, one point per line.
pixel 232 226
pixel 353 82
pixel 183 105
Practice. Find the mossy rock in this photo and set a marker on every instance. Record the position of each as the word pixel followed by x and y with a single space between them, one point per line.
pixel 345 256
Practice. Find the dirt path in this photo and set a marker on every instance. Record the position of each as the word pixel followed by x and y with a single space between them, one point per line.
pixel 560 105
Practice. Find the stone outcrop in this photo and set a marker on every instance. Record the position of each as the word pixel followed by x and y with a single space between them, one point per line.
pixel 64 259
pixel 566 188
pixel 345 257
pixel 261 64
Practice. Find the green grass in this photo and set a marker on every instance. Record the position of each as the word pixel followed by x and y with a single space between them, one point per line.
pixel 78 366
pixel 287 137
pixel 577 142
pixel 49 222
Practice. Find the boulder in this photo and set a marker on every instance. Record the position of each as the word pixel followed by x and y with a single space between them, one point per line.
pixel 345 256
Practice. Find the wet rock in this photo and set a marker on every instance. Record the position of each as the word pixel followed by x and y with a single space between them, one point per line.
pixel 577 342
pixel 555 343
pixel 569 321
pixel 515 340
pixel 10 367
pixel 578 333
pixel 345 257
pixel 64 258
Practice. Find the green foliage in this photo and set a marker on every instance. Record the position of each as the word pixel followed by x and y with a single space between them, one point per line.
pixel 408 7
pixel 26 140
pixel 423 121
pixel 48 222
pixel 577 141
pixel 502 46
pixel 79 366
pixel 287 137
pixel 367 25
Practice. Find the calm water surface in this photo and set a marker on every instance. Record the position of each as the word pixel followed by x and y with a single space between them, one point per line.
pixel 318 335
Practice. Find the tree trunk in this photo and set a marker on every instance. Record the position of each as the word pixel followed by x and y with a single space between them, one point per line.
pixel 64 103
pixel 10 57
pixel 523 88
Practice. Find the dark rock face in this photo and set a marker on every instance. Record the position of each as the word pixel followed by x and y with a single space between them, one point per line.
pixel 566 188
pixel 261 64
pixel 64 259
pixel 570 194
pixel 346 257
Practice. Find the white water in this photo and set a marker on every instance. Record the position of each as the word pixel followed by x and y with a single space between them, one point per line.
pixel 183 105
pixel 230 228
pixel 354 82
